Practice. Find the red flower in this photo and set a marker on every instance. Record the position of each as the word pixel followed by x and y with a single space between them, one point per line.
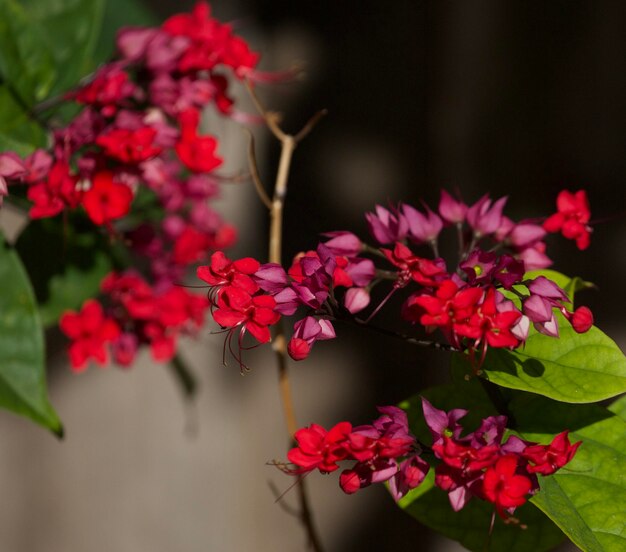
pixel 466 458
pixel 89 331
pixel 547 459
pixel 51 196
pixel 318 448
pixel 571 218
pixel 424 271
pixel 224 272
pixel 129 146
pixel 132 292
pixel 190 246
pixel 109 87
pixel 255 314
pixel 196 152
pixel 504 487
pixel 448 306
pixel 107 200
pixel 489 326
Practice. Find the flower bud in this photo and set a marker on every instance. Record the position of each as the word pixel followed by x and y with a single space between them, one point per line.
pixel 582 319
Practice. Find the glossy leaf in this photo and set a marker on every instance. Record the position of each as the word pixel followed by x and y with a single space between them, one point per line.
pixel 576 368
pixel 587 498
pixel 22 359
pixel 26 63
pixel 619 407
pixel 18 132
pixel 70 31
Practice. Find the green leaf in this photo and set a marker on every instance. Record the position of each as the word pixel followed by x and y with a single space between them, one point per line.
pixel 586 498
pixel 619 407
pixel 470 526
pixel 26 63
pixel 575 368
pixel 68 269
pixel 70 31
pixel 22 359
pixel 18 132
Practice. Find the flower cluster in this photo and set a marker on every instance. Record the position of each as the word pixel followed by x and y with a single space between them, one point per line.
pixel 383 451
pixel 133 158
pixel 137 313
pixel 477 465
pixel 485 301
pixel 307 283
pixel 237 300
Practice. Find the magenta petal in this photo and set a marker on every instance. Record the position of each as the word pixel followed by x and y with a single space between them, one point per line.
pixel 537 309
pixel 459 498
pixel 356 299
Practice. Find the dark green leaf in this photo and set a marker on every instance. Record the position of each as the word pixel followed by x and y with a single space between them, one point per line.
pixel 66 261
pixel 22 370
pixel 470 526
pixel 18 132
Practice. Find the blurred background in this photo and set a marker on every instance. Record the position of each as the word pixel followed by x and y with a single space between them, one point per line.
pixel 517 98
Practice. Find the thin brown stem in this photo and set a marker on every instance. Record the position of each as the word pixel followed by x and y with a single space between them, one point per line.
pixel 279 342
pixel 254 173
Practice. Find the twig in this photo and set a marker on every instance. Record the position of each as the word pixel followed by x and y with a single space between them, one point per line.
pixel 279 342
pixel 254 173
pixel 279 499
pixel 397 335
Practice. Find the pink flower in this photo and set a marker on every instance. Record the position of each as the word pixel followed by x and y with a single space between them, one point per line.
pixel 422 228
pixel 411 472
pixel 344 243
pixel 450 209
pixel 485 218
pixel 356 299
pixel 385 226
pixel 306 332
